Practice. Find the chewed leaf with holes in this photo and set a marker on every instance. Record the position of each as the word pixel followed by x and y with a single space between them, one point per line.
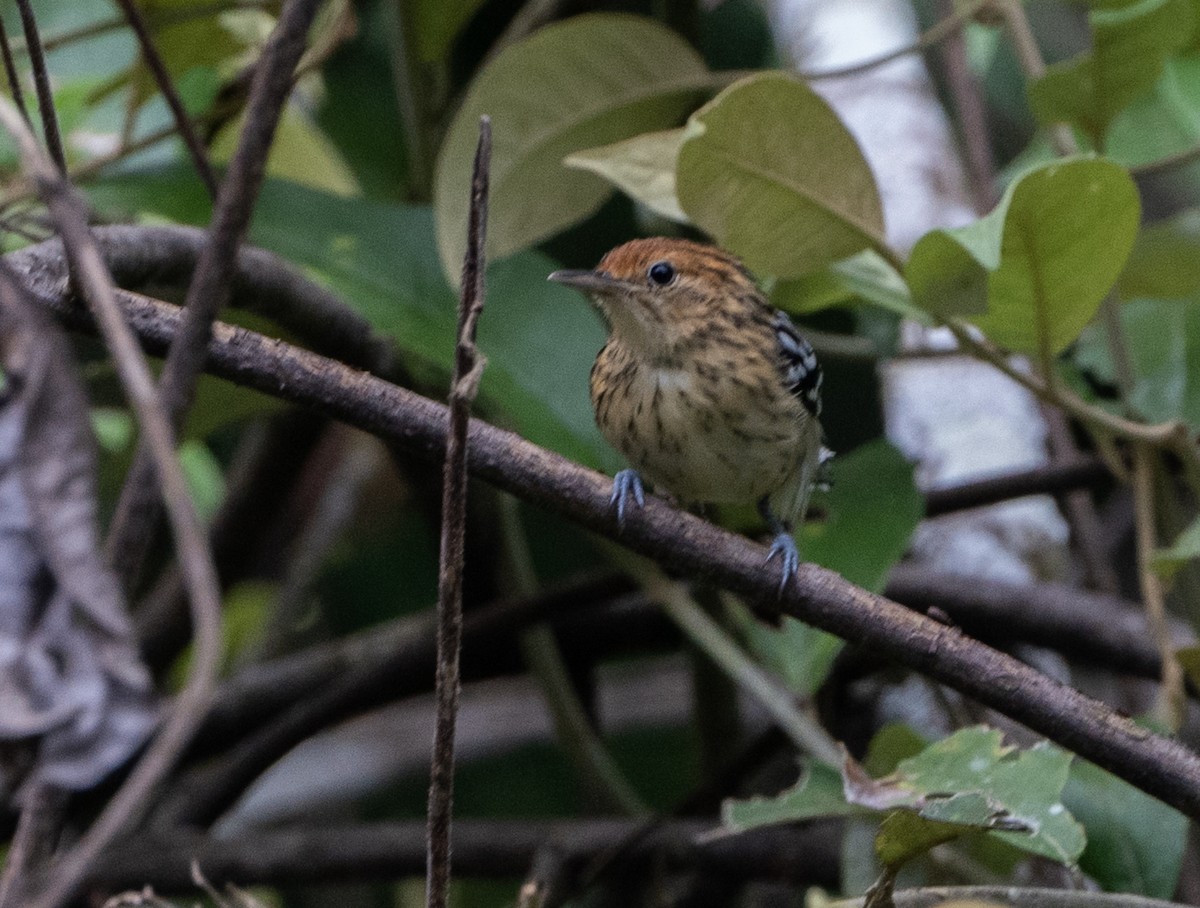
pixel 968 782
pixel 1032 273
pixel 1021 788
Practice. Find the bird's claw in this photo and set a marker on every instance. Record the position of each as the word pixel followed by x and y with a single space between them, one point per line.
pixel 626 483
pixel 785 547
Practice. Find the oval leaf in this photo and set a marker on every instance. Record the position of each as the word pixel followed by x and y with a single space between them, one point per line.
pixel 769 170
pixel 589 81
pixel 642 167
pixel 1129 47
pixel 1034 271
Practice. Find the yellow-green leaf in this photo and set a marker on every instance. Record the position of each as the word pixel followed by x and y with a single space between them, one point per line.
pixel 768 169
pixel 591 80
pixel 1032 273
pixel 642 167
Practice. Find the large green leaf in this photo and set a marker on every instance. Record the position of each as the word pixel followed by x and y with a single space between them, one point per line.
pixel 591 80
pixel 1032 273
pixel 539 338
pixel 871 511
pixel 642 167
pixel 1162 122
pixel 873 507
pixel 436 23
pixel 969 780
pixel 300 152
pixel 1129 46
pixel 768 169
pixel 1163 339
pixel 1134 842
pixel 817 794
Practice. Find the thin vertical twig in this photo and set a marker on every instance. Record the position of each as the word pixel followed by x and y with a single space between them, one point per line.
pixel 468 367
pixel 10 73
pixel 972 115
pixel 1172 694
pixel 580 740
pixel 41 83
pixel 183 122
pixel 32 842
pixel 88 270
pixel 137 510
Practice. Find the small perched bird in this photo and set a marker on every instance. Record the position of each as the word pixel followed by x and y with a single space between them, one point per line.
pixel 709 392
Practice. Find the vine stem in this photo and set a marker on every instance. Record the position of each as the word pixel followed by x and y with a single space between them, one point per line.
pixel 1172 703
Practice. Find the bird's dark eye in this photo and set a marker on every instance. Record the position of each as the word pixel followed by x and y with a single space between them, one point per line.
pixel 662 273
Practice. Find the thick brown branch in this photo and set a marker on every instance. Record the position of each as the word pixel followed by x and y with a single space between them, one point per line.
pixel 690 546
pixel 482 848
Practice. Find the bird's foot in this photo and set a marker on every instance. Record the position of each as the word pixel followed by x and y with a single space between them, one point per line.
pixel 625 484
pixel 785 547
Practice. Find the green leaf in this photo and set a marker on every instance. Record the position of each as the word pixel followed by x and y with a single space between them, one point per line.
pixel 1033 272
pixel 872 509
pixel 1189 658
pixel 1163 339
pixel 969 779
pixel 204 478
pixel 904 835
pixel 1134 842
pixel 817 794
pixel 1129 46
pixel 1026 784
pixel 219 403
pixel 1165 262
pixel 380 258
pixel 436 23
pixel 591 80
pixel 642 167
pixel 1162 122
pixel 863 278
pixel 300 152
pixel 1186 546
pixel 797 653
pixel 219 42
pixel 768 169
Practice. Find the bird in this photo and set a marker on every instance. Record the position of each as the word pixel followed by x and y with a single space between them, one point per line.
pixel 708 391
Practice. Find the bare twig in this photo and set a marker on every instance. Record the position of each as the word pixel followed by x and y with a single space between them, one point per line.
pixel 70 214
pixel 688 545
pixel 10 73
pixel 972 114
pixel 498 849
pixel 32 843
pixel 137 510
pixel 940 31
pixel 468 367
pixel 183 122
pixel 41 83
pixel 1056 477
pixel 604 782
pixel 1172 698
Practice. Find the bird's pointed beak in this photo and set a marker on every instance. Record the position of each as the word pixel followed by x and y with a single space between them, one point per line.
pixel 587 281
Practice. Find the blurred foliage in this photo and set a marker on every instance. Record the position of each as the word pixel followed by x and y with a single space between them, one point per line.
pixel 648 117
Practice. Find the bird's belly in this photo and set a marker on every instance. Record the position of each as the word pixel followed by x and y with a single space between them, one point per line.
pixel 699 451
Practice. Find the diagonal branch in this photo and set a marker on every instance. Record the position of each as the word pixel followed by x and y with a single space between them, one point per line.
pixel 690 546
pixel 137 511
pixel 183 122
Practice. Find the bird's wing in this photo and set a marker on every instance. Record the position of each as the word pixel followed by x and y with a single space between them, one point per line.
pixel 801 371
